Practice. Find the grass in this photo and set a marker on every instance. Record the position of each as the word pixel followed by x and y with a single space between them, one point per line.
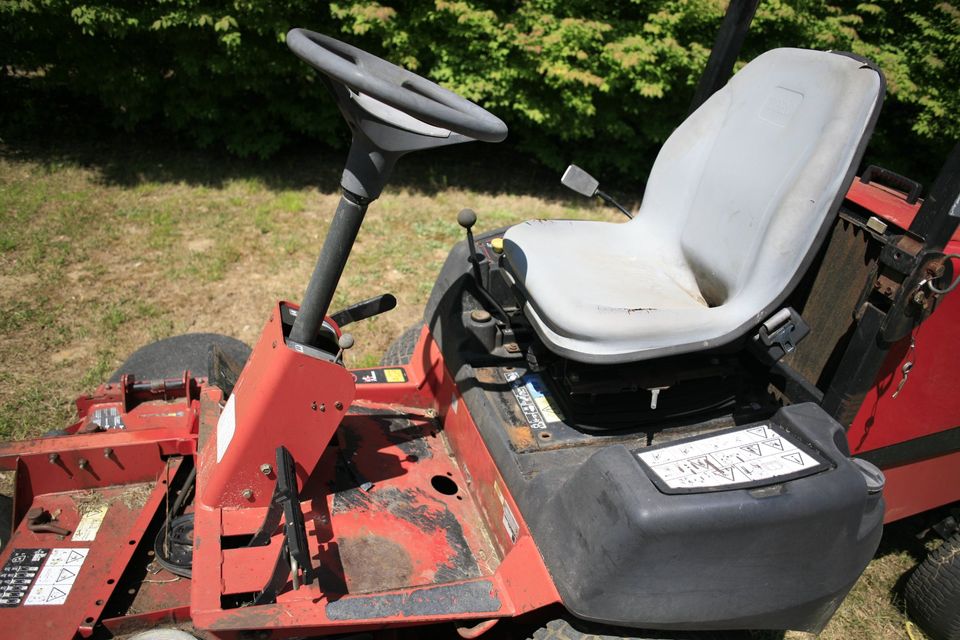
pixel 106 248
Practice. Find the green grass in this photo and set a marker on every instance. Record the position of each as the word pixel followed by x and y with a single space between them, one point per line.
pixel 104 249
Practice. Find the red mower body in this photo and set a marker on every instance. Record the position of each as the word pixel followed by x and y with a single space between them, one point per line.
pixel 913 434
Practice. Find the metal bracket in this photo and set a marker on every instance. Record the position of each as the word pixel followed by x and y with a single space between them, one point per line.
pixel 294 556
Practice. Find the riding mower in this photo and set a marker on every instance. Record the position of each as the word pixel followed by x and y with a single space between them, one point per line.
pixel 691 424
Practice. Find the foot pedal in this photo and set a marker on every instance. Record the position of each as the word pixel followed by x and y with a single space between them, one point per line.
pixel 294 556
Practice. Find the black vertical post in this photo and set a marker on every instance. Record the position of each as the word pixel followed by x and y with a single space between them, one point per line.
pixel 330 264
pixel 726 48
pixel 937 219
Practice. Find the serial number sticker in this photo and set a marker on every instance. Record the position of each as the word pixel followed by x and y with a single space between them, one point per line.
pixel 748 455
pixel 533 399
pixel 509 521
pixel 57 577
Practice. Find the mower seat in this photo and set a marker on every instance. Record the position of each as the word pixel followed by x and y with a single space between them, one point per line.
pixel 738 201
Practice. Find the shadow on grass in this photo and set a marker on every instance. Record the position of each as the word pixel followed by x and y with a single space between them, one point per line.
pixel 132 160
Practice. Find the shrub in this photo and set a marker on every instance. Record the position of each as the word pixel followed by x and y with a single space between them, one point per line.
pixel 608 80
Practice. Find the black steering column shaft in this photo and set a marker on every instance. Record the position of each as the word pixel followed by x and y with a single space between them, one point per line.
pixel 326 274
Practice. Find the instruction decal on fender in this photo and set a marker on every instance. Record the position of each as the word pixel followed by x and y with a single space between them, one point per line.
pixel 379 376
pixel 57 577
pixel 18 573
pixel 752 454
pixel 533 398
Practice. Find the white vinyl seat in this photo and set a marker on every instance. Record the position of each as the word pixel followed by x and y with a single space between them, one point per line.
pixel 738 201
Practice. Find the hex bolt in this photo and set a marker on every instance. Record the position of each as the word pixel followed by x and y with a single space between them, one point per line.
pixel 53 458
pixel 266 469
pixel 323 408
pixel 248 494
pixel 918 297
pixel 338 405
pixel 107 452
pixel 82 463
pixel 313 406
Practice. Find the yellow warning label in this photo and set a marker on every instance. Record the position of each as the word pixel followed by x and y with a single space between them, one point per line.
pixel 394 375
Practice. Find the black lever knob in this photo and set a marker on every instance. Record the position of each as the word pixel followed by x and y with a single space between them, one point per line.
pixel 467 218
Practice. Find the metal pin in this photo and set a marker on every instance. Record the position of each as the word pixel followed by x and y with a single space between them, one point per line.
pixel 905 369
pixel 655 396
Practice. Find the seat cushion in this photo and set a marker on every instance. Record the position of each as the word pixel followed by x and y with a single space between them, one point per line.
pixel 591 284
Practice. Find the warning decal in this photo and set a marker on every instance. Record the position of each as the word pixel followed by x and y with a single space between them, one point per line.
pixel 18 573
pixel 748 455
pixel 533 398
pixel 56 579
pixel 379 376
pixel 90 524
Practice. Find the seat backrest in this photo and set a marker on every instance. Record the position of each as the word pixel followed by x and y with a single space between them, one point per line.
pixel 748 183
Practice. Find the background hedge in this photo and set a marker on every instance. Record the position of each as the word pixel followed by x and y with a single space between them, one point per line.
pixel 600 82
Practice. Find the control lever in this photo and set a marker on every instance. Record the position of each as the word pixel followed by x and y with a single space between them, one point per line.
pixel 365 309
pixel 40 520
pixel 576 179
pixel 466 219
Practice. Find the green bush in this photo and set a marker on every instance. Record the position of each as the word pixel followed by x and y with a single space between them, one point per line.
pixel 604 82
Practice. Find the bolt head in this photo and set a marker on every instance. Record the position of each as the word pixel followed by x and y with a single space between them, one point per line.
pixel 247 494
pixel 480 315
pixel 53 457
pixel 338 405
pixel 266 469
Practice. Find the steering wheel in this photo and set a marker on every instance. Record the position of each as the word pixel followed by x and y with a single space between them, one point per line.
pixel 411 94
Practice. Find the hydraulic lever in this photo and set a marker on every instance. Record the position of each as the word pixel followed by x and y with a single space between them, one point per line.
pixel 466 219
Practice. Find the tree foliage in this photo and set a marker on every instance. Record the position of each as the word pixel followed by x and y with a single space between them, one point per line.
pixel 604 82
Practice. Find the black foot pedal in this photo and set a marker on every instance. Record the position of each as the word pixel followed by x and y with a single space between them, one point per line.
pixel 294 556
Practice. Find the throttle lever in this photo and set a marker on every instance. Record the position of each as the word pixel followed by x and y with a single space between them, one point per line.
pixel 365 309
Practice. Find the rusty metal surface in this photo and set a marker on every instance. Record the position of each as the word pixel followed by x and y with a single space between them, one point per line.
pixel 848 262
pixel 77 592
